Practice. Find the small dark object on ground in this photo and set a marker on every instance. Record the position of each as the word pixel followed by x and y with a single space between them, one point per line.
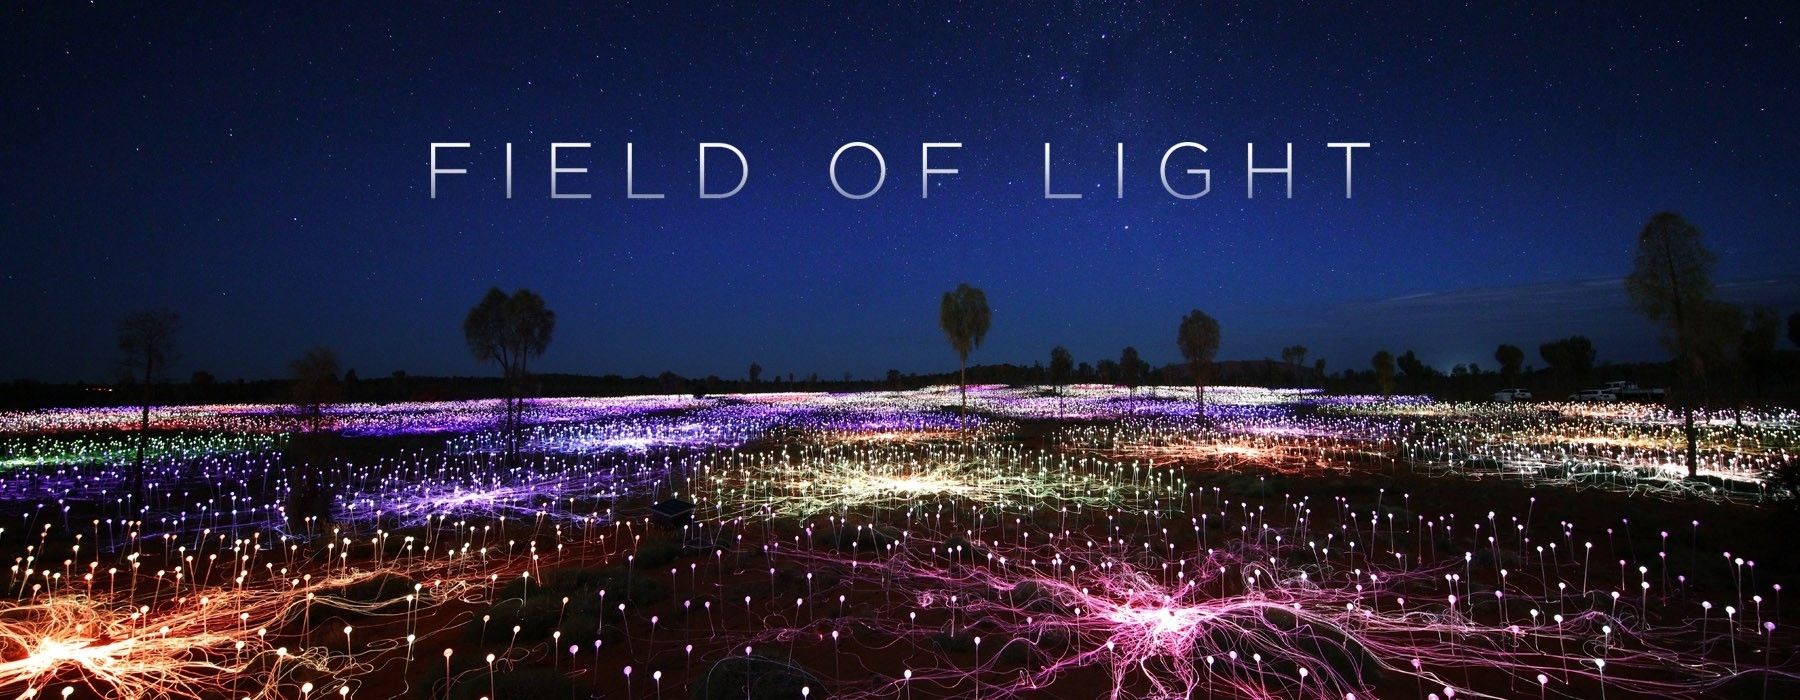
pixel 673 512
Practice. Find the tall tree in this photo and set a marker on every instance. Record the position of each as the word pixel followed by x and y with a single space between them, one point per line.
pixel 964 316
pixel 1571 359
pixel 1198 338
pixel 1756 348
pixel 1294 356
pixel 1131 369
pixel 1415 370
pixel 1511 358
pixel 1061 365
pixel 1383 364
pixel 510 331
pixel 202 382
pixel 315 384
pixel 755 373
pixel 1671 284
pixel 146 347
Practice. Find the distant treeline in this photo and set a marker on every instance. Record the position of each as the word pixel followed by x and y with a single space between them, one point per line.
pixel 1780 385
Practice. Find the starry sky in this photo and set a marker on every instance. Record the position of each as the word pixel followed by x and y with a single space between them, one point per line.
pixel 263 171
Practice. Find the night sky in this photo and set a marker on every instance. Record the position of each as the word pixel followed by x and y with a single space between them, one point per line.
pixel 264 173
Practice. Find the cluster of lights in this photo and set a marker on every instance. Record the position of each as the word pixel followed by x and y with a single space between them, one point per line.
pixel 1238 439
pixel 1266 612
pixel 946 556
pixel 347 418
pixel 1635 448
pixel 115 447
pixel 805 481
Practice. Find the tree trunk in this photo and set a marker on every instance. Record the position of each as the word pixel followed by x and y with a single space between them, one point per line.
pixel 519 419
pixel 1737 403
pixel 1693 464
pixel 962 372
pixel 512 418
pixel 506 425
pixel 137 470
pixel 518 411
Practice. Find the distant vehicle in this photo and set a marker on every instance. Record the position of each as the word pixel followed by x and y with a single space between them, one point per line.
pixel 1629 391
pixel 1511 395
pixel 1600 395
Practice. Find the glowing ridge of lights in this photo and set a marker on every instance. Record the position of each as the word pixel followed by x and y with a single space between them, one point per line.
pixel 198 645
pixel 820 479
pixel 1233 620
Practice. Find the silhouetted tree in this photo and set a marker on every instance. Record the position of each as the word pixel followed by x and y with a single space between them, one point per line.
pixel 313 484
pixel 1198 338
pixel 755 373
pixel 1724 331
pixel 201 383
pixel 1319 370
pixel 1061 364
pixel 1671 284
pixel 1131 369
pixel 315 384
pixel 146 347
pixel 1383 364
pixel 1294 356
pixel 1416 372
pixel 1571 358
pixel 1756 347
pixel 510 331
pixel 964 316
pixel 1510 358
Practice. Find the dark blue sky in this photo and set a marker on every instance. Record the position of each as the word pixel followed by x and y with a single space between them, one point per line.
pixel 264 173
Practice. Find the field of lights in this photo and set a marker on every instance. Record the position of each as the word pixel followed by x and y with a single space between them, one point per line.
pixel 1087 542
